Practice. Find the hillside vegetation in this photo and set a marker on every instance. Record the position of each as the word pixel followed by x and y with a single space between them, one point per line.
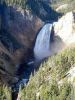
pixel 61 3
pixel 44 85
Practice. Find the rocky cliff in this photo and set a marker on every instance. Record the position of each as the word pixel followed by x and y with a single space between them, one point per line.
pixel 64 32
pixel 65 28
pixel 17 33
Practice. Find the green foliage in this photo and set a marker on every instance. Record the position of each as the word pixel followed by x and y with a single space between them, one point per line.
pixel 21 3
pixel 71 5
pixel 5 93
pixel 64 61
pixel 65 91
pixel 44 84
pixel 47 91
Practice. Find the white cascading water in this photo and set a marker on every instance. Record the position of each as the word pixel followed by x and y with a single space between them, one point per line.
pixel 42 45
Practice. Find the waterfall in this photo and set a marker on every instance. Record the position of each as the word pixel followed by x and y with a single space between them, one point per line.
pixel 42 44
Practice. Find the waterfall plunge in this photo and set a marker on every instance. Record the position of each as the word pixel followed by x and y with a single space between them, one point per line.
pixel 42 45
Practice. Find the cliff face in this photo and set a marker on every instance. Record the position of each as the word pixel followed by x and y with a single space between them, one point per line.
pixel 17 33
pixel 20 25
pixel 23 26
pixel 64 33
pixel 65 28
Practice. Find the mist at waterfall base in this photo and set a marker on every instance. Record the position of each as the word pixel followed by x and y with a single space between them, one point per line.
pixel 42 43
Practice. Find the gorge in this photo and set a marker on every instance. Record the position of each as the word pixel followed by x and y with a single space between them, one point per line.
pixel 27 38
pixel 50 42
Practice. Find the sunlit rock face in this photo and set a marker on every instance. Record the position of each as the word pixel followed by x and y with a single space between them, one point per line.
pixel 65 28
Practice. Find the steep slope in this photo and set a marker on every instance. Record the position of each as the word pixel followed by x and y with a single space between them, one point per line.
pixel 18 29
pixel 45 82
pixel 51 82
pixel 55 78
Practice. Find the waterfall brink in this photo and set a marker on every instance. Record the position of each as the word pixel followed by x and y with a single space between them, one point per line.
pixel 42 44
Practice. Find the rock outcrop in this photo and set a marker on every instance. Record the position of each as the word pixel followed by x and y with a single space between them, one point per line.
pixel 65 28
pixel 64 32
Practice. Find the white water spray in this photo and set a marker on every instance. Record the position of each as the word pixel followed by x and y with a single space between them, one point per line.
pixel 42 45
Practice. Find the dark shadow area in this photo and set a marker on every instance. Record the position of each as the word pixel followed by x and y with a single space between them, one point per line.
pixel 74 16
pixel 6 38
pixel 24 72
pixel 52 35
pixel 43 10
pixel 9 41
pixel 3 12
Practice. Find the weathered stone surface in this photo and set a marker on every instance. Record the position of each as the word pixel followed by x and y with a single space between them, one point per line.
pixel 65 28
pixel 64 33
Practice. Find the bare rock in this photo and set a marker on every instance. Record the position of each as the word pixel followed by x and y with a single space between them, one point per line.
pixel 65 28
